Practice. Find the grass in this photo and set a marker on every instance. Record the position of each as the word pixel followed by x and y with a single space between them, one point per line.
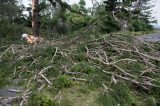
pixel 78 96
pixel 41 100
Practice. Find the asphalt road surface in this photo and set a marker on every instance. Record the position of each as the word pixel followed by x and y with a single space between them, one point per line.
pixel 7 95
pixel 150 38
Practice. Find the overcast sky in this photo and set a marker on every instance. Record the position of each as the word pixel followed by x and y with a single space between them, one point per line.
pixel 156 9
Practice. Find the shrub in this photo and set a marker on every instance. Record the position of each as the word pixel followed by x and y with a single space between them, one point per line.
pixel 120 95
pixel 80 57
pixel 11 30
pixel 41 100
pixel 83 67
pixel 151 101
pixel 62 81
pixel 106 22
pixel 140 25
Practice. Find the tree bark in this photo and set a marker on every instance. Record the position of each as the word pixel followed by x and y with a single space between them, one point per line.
pixel 35 18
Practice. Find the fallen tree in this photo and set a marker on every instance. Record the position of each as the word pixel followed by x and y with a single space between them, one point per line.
pixel 120 59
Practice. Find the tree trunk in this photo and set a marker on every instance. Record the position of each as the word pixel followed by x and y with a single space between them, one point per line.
pixel 35 18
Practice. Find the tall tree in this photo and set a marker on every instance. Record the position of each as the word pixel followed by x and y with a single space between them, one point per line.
pixel 132 14
pixel 11 18
pixel 35 18
pixel 36 13
pixel 10 10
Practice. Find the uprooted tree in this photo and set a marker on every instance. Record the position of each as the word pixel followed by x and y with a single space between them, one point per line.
pixel 122 66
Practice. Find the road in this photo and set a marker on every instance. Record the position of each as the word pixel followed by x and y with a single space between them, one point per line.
pixel 7 95
pixel 150 38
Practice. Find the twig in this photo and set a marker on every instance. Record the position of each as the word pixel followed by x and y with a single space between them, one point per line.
pixel 45 79
pixel 35 76
pixel 74 73
pixel 78 79
pixel 113 46
pixel 131 80
pixel 106 88
pixel 111 63
pixel 25 96
pixel 54 54
pixel 15 90
pixel 42 75
pixel 5 52
pixel 124 71
pixel 46 68
pixel 42 86
pixel 91 26
pixel 145 55
pixel 57 95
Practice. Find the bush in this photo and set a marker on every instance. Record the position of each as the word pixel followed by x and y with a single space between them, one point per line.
pixel 62 81
pixel 83 67
pixel 140 25
pixel 11 30
pixel 78 21
pixel 11 33
pixel 80 57
pixel 106 22
pixel 151 101
pixel 120 95
pixel 41 100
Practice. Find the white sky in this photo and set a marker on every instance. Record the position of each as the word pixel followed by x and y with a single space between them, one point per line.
pixel 156 8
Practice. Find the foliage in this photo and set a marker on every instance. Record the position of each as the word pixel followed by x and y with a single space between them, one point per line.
pixel 106 22
pixel 10 10
pixel 66 103
pixel 80 57
pixel 41 100
pixel 135 13
pixel 62 81
pixel 4 74
pixel 11 19
pixel 151 101
pixel 11 30
pixel 119 95
pixel 55 18
pixel 83 67
pixel 140 25
pixel 77 20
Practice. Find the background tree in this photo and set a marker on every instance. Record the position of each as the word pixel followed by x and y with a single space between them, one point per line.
pixel 142 19
pixel 78 21
pixel 133 14
pixel 11 18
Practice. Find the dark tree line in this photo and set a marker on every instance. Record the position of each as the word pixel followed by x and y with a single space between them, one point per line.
pixel 50 15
